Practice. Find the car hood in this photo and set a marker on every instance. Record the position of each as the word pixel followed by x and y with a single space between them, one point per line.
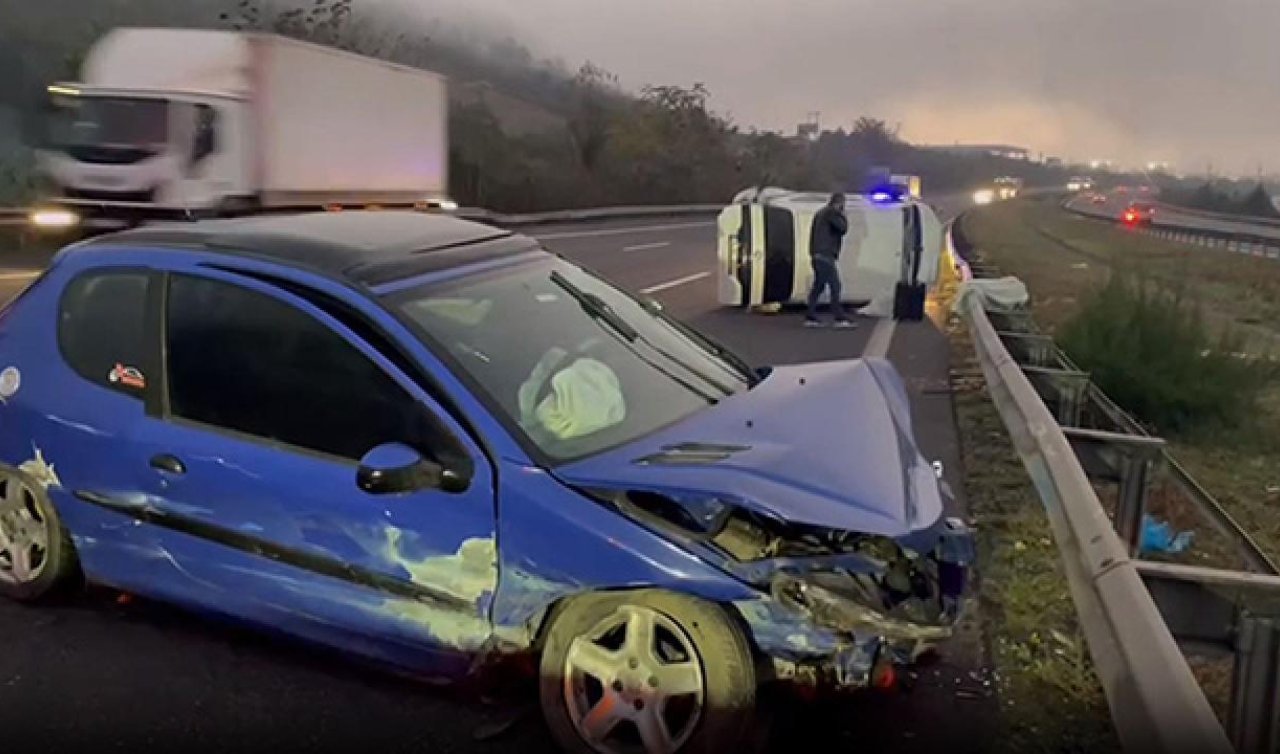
pixel 826 444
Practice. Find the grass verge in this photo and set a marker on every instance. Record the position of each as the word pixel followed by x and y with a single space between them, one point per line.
pixel 1064 259
pixel 1051 700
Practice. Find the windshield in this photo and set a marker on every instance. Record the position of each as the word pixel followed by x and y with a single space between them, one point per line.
pixel 111 122
pixel 574 364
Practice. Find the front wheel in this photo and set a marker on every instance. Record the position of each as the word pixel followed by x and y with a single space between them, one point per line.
pixel 36 554
pixel 648 671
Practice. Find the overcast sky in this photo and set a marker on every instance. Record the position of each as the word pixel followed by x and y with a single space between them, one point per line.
pixel 1192 82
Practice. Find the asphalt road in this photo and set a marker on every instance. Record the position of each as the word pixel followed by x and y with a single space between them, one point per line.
pixel 125 675
pixel 1117 200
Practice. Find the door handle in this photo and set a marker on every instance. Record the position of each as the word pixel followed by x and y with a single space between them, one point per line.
pixel 169 464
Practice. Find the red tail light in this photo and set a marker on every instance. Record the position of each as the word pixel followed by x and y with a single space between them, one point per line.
pixel 1130 217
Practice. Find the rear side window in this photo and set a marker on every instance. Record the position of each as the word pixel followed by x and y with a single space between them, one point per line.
pixel 101 329
pixel 246 362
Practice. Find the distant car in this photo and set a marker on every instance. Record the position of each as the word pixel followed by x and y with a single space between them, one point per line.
pixel 434 444
pixel 1007 187
pixel 1098 199
pixel 1139 213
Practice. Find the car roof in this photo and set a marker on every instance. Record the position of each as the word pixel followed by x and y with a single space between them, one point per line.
pixel 369 247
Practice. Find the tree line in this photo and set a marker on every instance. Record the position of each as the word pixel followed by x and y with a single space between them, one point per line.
pixel 600 144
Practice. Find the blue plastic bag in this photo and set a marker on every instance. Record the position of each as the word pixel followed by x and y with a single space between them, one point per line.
pixel 1158 537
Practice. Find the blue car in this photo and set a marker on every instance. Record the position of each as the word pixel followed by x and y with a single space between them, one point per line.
pixel 436 445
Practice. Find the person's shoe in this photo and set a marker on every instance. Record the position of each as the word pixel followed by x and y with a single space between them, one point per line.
pixel 845 324
pixel 811 322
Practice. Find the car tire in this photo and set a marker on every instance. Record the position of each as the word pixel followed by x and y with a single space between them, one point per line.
pixel 59 567
pixel 725 718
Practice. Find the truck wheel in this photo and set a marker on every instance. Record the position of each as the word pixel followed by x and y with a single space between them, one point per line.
pixel 36 553
pixel 648 671
pixel 237 206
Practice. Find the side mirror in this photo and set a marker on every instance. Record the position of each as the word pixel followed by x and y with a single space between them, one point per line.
pixel 395 469
pixel 651 305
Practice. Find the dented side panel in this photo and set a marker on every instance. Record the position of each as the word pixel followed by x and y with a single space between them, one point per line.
pixel 254 531
pixel 427 560
pixel 574 545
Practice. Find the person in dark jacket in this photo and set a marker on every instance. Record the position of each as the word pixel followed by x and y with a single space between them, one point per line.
pixel 829 228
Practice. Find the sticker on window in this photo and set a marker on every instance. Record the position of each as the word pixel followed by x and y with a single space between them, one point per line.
pixel 10 381
pixel 127 376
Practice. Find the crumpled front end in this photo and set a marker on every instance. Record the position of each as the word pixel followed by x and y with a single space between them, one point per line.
pixel 811 489
pixel 848 620
pixel 835 608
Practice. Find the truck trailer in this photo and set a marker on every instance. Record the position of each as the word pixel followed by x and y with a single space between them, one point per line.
pixel 185 123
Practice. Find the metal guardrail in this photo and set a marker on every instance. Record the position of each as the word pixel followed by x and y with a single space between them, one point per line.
pixel 1225 216
pixel 588 215
pixel 1243 242
pixel 17 216
pixel 1156 703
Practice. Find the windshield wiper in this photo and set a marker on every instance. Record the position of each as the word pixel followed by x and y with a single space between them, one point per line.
pixel 596 307
pixel 748 373
pixel 601 312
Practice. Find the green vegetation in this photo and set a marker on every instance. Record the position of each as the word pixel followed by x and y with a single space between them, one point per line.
pixel 526 134
pixel 1065 260
pixel 1153 353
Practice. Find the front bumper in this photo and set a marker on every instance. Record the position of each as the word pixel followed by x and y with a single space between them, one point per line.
pixel 830 640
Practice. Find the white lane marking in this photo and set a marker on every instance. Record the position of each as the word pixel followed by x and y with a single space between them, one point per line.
pixel 19 275
pixel 674 283
pixel 881 338
pixel 646 246
pixel 618 231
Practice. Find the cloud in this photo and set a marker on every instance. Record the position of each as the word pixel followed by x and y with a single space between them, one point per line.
pixel 1192 81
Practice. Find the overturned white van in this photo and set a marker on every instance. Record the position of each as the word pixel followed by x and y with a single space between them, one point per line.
pixel 763 248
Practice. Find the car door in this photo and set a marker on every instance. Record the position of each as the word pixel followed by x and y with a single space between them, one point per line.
pixel 246 496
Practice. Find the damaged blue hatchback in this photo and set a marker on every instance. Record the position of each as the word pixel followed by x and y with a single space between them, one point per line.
pixel 436 445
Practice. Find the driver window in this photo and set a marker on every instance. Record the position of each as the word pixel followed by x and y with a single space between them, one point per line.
pixel 243 361
pixel 206 139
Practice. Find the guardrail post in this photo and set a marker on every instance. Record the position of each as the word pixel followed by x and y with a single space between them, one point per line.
pixel 1255 708
pixel 1030 349
pixel 1128 461
pixel 1066 387
pixel 1131 504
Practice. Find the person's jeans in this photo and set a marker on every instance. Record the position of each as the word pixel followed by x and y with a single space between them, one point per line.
pixel 826 276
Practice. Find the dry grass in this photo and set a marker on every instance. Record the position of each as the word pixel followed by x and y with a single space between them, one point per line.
pixel 1062 257
pixel 1051 700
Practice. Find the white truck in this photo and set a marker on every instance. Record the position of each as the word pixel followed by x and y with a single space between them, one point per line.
pixel 184 123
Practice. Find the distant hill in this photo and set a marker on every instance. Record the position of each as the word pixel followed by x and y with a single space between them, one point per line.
pixel 526 133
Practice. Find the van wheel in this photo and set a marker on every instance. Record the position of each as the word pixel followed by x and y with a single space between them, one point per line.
pixel 36 553
pixel 648 671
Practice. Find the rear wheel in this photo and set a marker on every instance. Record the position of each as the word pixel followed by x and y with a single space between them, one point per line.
pixel 36 554
pixel 648 672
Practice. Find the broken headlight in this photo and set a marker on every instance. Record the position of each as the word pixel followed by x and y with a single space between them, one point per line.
pixel 906 595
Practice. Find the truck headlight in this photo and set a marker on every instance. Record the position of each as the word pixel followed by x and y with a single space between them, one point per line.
pixel 54 219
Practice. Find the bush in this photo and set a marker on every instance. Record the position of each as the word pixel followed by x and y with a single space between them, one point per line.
pixel 1153 354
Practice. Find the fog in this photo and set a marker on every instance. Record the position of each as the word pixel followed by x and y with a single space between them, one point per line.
pixel 1190 82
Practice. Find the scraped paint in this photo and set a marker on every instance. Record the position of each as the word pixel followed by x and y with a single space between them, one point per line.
pixel 40 471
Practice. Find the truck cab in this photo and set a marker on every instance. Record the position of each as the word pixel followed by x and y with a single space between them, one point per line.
pixel 124 154
pixel 192 123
